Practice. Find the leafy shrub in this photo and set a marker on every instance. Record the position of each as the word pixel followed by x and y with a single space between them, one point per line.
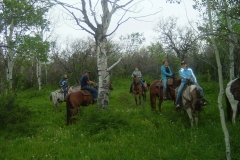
pixel 12 117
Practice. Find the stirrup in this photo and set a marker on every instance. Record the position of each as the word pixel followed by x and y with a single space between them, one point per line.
pixel 177 106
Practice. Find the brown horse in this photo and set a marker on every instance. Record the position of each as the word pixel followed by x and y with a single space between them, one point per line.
pixel 76 99
pixel 156 90
pixel 145 91
pixel 137 89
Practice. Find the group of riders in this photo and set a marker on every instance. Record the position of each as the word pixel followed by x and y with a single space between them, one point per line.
pixel 186 74
pixel 84 82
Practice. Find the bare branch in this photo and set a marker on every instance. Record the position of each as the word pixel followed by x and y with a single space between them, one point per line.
pixel 119 60
pixel 93 11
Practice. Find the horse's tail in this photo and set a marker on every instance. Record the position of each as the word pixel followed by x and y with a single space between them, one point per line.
pixel 229 109
pixel 68 108
pixel 51 97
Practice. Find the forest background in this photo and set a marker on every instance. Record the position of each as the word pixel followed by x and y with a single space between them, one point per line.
pixel 34 65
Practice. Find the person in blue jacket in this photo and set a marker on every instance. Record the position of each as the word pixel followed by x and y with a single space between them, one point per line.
pixel 85 84
pixel 64 84
pixel 186 75
pixel 165 74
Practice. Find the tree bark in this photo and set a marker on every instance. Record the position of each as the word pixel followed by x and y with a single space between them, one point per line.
pixel 233 40
pixel 38 72
pixel 221 92
pixel 10 54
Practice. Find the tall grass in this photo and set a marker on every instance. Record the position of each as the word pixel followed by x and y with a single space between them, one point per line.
pixel 124 131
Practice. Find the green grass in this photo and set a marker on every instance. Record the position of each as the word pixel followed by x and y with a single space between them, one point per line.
pixel 124 131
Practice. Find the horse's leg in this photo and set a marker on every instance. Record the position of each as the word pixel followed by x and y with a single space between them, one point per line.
pixel 135 99
pixel 153 101
pixel 140 95
pixel 189 112
pixel 234 114
pixel 160 100
pixel 234 105
pixel 75 112
pixel 196 117
pixel 58 106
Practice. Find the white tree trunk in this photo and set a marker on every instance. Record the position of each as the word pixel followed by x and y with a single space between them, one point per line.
pixel 103 75
pixel 9 69
pixel 39 73
pixel 221 92
pixel 10 54
pixel 233 40
pixel 46 73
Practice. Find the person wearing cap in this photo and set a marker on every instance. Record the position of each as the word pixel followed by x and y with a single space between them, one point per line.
pixel 64 84
pixel 85 82
pixel 139 74
pixel 186 75
pixel 165 74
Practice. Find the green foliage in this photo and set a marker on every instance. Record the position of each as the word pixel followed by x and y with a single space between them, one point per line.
pixel 14 119
pixel 124 131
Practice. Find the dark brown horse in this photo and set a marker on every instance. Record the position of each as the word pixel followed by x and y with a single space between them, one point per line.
pixel 76 99
pixel 137 89
pixel 156 91
pixel 145 91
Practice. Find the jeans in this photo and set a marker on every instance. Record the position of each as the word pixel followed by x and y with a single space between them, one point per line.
pixel 65 91
pixel 164 81
pixel 93 91
pixel 180 89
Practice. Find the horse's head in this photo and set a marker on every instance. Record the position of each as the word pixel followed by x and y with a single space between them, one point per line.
pixel 197 99
pixel 136 79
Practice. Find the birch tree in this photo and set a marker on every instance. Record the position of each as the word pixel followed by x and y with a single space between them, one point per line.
pixel 233 40
pixel 220 78
pixel 97 24
pixel 18 18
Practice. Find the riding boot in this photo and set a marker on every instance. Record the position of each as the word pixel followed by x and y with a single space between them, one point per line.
pixel 164 97
pixel 144 89
pixel 204 102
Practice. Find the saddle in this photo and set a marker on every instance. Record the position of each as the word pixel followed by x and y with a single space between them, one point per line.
pixel 85 92
pixel 235 89
pixel 169 83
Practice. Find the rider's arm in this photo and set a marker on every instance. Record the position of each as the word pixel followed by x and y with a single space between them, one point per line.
pixel 139 74
pixel 133 74
pixel 181 73
pixel 61 83
pixel 163 71
pixel 90 82
pixel 193 76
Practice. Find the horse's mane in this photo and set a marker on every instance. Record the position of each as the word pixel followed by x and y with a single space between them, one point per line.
pixel 136 79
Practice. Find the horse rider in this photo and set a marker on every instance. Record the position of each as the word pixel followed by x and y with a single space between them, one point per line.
pixel 64 84
pixel 186 75
pixel 85 82
pixel 165 74
pixel 139 74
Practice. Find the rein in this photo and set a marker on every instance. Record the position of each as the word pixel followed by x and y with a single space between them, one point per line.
pixel 192 101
